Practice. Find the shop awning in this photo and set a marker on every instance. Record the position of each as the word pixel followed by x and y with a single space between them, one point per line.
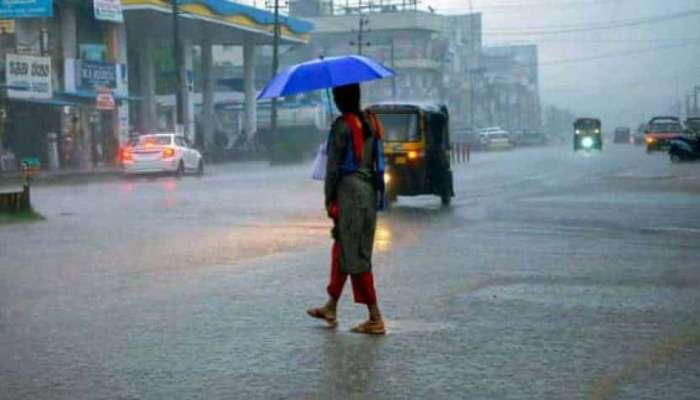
pixel 89 96
pixel 49 102
pixel 221 21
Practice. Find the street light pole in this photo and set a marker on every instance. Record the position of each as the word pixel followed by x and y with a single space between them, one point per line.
pixel 177 54
pixel 275 68
pixel 363 28
pixel 393 67
pixel 471 66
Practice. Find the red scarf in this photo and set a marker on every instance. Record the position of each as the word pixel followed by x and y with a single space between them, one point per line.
pixel 358 137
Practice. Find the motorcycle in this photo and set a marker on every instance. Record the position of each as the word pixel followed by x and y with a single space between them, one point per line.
pixel 684 149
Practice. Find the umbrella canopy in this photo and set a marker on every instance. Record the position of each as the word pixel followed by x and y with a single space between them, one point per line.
pixel 324 73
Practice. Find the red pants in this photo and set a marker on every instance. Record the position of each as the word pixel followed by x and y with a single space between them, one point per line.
pixel 362 284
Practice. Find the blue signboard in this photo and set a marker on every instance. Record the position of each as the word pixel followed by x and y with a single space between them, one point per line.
pixel 10 9
pixel 94 75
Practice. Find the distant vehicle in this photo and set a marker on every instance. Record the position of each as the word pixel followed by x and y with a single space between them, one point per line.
pixel 684 149
pixel 588 134
pixel 533 139
pixel 638 137
pixel 622 135
pixel 161 153
pixel 659 132
pixel 494 138
pixel 692 126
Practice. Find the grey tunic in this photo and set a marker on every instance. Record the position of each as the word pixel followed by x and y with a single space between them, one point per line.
pixel 356 195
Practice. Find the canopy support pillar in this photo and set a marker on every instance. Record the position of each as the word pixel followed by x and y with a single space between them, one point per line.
pixel 207 116
pixel 147 85
pixel 250 125
pixel 186 91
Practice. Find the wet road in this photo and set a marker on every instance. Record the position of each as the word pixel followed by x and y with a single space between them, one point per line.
pixel 553 276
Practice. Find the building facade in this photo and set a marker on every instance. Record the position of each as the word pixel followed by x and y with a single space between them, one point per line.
pixel 509 93
pixel 434 55
pixel 54 64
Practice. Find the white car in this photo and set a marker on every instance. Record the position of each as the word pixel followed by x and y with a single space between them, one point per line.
pixel 495 138
pixel 161 153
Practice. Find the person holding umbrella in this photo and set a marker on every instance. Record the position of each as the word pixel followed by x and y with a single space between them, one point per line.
pixel 353 192
pixel 354 181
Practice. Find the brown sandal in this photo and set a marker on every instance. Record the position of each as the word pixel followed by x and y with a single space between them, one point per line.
pixel 321 314
pixel 370 327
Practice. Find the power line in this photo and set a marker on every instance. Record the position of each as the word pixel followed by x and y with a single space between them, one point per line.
pixel 539 4
pixel 618 85
pixel 552 40
pixel 617 54
pixel 559 29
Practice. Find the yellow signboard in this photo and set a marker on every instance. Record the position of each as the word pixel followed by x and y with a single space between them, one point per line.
pixel 7 26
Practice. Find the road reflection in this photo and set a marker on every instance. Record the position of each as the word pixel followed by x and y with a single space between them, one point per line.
pixel 351 366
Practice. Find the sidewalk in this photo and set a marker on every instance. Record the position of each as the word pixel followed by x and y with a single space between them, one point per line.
pixel 73 175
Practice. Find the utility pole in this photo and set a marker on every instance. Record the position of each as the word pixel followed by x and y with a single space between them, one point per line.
pixel 696 112
pixel 363 29
pixel 275 68
pixel 471 66
pixel 179 75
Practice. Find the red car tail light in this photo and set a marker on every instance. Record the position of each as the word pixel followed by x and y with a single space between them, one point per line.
pixel 127 154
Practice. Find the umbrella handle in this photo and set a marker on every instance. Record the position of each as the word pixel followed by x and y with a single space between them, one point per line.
pixel 330 105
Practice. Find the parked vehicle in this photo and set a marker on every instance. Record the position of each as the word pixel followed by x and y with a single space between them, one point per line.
pixel 588 134
pixel 495 138
pixel 684 149
pixel 161 153
pixel 660 131
pixel 622 135
pixel 692 126
pixel 417 149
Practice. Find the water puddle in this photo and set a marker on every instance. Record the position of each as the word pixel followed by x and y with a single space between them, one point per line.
pixel 415 326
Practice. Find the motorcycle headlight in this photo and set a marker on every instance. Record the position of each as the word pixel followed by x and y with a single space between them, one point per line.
pixel 387 177
pixel 587 142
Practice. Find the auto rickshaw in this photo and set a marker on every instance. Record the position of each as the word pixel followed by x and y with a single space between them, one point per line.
pixel 417 150
pixel 588 134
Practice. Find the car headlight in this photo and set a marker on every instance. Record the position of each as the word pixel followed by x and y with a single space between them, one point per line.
pixel 578 131
pixel 587 142
pixel 597 131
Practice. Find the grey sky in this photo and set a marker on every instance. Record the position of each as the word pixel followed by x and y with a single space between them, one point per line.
pixel 622 89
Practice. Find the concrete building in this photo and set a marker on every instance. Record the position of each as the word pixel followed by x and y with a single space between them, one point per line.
pixel 54 62
pixel 509 93
pixel 434 55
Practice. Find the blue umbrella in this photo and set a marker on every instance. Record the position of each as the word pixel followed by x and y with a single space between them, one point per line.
pixel 324 73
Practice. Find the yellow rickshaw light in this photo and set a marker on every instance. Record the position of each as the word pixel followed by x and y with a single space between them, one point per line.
pixel 412 155
pixel 649 140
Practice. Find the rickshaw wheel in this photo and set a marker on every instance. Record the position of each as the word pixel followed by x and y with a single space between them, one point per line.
pixel 390 200
pixel 446 199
